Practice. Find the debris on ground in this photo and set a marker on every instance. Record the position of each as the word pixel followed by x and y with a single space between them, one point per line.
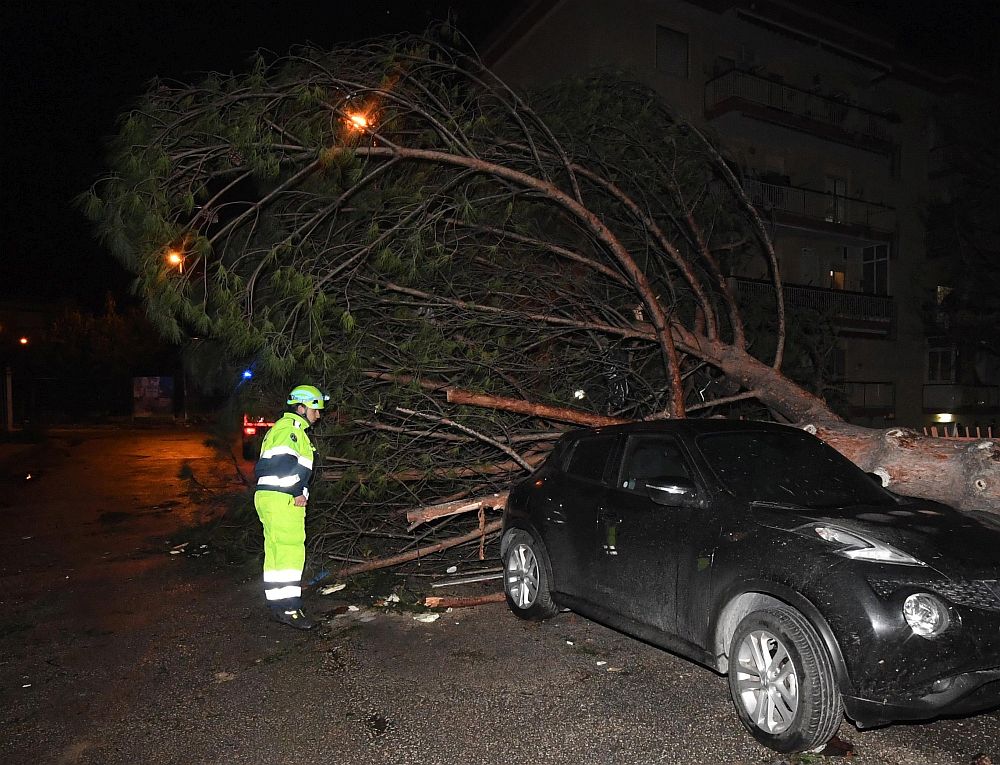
pixel 191 552
pixel 485 575
pixel 467 602
pixel 837 747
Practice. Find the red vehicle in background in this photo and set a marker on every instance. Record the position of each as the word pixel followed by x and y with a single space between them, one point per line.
pixel 254 429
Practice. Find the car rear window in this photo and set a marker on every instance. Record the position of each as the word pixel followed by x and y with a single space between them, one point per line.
pixel 590 457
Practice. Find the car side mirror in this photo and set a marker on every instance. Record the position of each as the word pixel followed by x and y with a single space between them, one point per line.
pixel 673 491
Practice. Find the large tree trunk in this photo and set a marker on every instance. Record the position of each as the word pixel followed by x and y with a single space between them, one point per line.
pixel 963 473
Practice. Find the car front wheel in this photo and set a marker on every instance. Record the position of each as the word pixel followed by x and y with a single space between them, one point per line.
pixel 782 681
pixel 526 578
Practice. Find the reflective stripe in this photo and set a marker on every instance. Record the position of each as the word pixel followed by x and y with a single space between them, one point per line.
pixel 273 480
pixel 305 492
pixel 274 451
pixel 283 575
pixel 278 450
pixel 283 593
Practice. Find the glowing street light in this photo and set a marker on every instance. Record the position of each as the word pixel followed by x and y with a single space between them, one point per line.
pixel 23 341
pixel 176 259
pixel 358 121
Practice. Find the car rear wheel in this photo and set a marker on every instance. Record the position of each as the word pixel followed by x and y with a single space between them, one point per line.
pixel 526 578
pixel 782 681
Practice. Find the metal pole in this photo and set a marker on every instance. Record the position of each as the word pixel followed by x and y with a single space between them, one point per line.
pixel 8 400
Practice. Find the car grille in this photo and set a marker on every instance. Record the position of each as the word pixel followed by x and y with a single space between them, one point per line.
pixel 978 593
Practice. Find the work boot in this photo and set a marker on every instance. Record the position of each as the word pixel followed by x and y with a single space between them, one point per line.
pixel 295 619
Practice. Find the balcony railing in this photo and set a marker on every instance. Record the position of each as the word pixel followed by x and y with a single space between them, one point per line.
pixel 819 206
pixel 950 397
pixel 800 103
pixel 874 311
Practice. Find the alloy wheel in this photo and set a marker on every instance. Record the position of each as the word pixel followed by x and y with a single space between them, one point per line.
pixel 522 576
pixel 767 683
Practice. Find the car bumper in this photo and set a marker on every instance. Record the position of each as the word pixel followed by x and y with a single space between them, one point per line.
pixel 963 694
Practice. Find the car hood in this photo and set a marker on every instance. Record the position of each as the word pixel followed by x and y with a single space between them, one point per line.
pixel 956 543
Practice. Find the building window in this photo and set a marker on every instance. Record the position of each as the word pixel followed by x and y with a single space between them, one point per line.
pixel 875 269
pixel 837 279
pixel 836 206
pixel 671 52
pixel 941 365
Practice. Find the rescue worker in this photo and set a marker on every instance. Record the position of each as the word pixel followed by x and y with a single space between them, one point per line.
pixel 283 473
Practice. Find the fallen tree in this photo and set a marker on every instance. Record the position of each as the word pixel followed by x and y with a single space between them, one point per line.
pixel 466 279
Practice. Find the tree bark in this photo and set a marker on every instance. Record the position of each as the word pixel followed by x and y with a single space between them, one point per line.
pixel 421 515
pixel 520 406
pixel 965 474
pixel 436 601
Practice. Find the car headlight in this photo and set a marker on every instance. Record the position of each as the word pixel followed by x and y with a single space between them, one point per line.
pixel 858 547
pixel 926 615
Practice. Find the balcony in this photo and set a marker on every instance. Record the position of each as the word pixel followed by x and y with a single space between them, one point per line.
pixel 961 398
pixel 814 209
pixel 797 109
pixel 854 313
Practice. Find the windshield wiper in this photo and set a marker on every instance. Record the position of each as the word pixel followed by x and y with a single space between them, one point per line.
pixel 780 505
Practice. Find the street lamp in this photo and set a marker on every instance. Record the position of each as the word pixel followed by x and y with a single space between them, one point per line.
pixel 358 121
pixel 23 341
pixel 176 259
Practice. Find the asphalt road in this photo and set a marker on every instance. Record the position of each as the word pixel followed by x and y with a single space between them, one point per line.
pixel 114 651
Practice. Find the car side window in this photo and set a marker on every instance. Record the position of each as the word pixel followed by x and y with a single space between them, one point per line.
pixel 590 458
pixel 653 456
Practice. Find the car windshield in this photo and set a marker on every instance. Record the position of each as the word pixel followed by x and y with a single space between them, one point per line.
pixel 788 467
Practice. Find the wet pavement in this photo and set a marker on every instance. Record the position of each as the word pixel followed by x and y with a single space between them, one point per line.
pixel 114 651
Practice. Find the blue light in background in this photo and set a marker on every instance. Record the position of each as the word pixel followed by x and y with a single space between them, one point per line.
pixel 247 374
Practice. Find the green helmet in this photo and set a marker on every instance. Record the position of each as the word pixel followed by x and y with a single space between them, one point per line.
pixel 308 396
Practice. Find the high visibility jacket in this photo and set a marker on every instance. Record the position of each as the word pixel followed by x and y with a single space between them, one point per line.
pixel 286 457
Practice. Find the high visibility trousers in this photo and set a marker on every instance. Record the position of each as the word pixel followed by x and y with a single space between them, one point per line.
pixel 284 548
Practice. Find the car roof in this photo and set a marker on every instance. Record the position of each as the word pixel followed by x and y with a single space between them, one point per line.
pixel 688 427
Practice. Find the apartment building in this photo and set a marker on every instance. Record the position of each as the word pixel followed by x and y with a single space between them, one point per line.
pixel 834 132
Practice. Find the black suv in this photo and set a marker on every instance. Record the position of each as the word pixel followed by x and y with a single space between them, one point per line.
pixel 762 553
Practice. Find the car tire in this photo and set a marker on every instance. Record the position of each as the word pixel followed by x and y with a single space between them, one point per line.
pixel 526 578
pixel 782 681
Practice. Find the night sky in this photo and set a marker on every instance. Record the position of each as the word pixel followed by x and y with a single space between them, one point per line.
pixel 69 69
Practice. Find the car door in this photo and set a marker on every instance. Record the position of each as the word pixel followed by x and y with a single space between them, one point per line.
pixel 642 542
pixel 574 495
